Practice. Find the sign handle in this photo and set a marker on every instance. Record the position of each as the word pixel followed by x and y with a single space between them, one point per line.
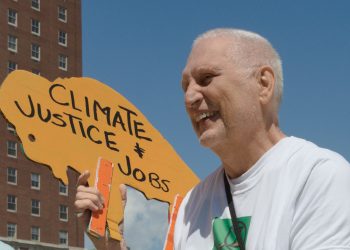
pixel 103 182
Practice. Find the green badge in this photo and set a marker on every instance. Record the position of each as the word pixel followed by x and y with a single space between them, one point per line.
pixel 224 235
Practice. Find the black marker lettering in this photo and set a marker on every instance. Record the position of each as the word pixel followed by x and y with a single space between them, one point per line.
pixel 128 115
pixel 118 119
pixel 72 97
pixel 71 121
pixel 51 94
pixel 154 180
pixel 89 134
pixel 82 129
pixel 110 143
pixel 48 116
pixel 166 189
pixel 87 108
pixel 137 130
pixel 58 117
pixel 32 111
pixel 143 176
pixel 106 111
pixel 128 167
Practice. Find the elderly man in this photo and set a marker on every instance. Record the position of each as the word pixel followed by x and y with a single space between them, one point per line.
pixel 4 246
pixel 271 191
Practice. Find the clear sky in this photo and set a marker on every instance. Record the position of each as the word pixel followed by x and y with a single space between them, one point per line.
pixel 139 48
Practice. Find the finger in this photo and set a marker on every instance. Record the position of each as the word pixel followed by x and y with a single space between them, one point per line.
pixel 89 196
pixel 86 204
pixel 81 190
pixel 90 190
pixel 83 178
pixel 123 245
pixel 94 197
pixel 123 193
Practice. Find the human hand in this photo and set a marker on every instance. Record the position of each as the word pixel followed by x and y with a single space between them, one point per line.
pixel 89 199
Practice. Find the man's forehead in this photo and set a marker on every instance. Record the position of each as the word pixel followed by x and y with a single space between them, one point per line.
pixel 207 54
pixel 211 48
pixel 205 45
pixel 219 43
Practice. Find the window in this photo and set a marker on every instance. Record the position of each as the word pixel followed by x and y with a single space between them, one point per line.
pixel 11 66
pixel 11 203
pixel 36 4
pixel 63 190
pixel 35 52
pixel 63 62
pixel 12 17
pixel 35 207
pixel 11 230
pixel 12 43
pixel 36 27
pixel 63 238
pixel 11 175
pixel 35 178
pixel 62 38
pixel 11 128
pixel 12 149
pixel 62 14
pixel 35 231
pixel 63 212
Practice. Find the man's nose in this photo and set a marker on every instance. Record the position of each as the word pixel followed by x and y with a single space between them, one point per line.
pixel 193 96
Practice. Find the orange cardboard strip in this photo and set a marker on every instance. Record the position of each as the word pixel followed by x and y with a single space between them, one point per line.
pixel 169 242
pixel 103 181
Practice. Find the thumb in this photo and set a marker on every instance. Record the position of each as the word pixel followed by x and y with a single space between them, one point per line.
pixel 83 178
pixel 123 194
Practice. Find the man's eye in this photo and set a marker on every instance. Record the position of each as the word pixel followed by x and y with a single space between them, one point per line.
pixel 205 80
pixel 184 85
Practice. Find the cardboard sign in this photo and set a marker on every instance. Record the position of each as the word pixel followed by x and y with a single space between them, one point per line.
pixel 72 122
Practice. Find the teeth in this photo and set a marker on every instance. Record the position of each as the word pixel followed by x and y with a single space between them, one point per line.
pixel 204 115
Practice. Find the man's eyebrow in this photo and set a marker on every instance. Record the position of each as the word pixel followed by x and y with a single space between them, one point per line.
pixel 207 68
pixel 184 80
pixel 199 70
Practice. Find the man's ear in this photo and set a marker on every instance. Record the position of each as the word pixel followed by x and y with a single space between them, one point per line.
pixel 266 80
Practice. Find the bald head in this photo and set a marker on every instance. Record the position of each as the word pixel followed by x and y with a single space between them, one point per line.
pixel 250 51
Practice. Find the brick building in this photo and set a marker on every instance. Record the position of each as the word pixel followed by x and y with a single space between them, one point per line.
pixel 36 210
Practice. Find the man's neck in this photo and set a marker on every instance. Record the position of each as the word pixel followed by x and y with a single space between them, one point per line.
pixel 238 158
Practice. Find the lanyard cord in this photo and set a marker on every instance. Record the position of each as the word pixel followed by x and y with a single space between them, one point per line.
pixel 236 228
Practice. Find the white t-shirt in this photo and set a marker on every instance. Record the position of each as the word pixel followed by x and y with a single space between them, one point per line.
pixel 296 196
pixel 4 246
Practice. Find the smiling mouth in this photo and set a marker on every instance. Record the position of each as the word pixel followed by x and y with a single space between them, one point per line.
pixel 205 115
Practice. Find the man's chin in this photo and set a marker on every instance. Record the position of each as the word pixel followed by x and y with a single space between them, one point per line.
pixel 207 140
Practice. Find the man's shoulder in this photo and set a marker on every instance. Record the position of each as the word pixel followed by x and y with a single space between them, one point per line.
pixel 210 180
pixel 320 170
pixel 309 152
pixel 206 186
pixel 329 167
pixel 322 201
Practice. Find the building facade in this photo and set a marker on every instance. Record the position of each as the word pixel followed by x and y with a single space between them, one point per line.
pixel 36 209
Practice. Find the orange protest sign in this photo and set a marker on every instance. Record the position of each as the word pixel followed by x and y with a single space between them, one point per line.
pixel 72 122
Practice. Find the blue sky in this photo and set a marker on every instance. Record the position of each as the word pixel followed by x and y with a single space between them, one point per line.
pixel 139 48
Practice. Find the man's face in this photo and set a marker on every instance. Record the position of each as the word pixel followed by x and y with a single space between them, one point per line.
pixel 220 100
